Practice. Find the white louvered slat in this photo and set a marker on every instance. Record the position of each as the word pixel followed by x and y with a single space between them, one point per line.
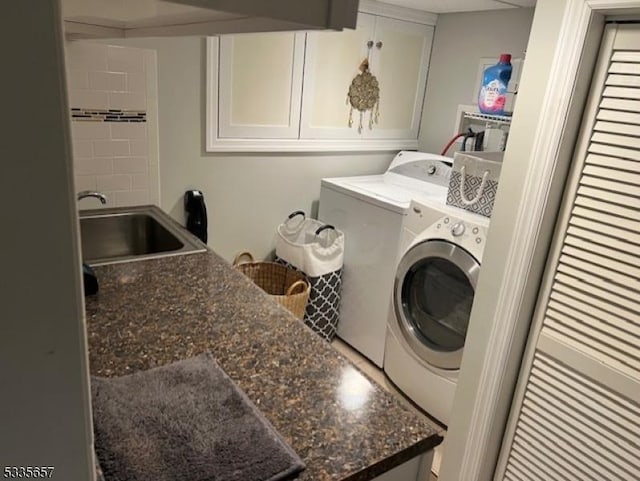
pixel 559 458
pixel 615 385
pixel 615 410
pixel 629 249
pixel 590 347
pixel 616 140
pixel 609 275
pixel 625 56
pixel 622 92
pixel 535 466
pixel 602 335
pixel 620 104
pixel 590 246
pixel 532 448
pixel 623 328
pixel 592 221
pixel 625 68
pixel 567 437
pixel 585 430
pixel 619 116
pixel 511 476
pixel 613 184
pixel 575 426
pixel 627 216
pixel 614 151
pixel 613 163
pixel 599 281
pixel 555 439
pixel 600 406
pixel 598 262
pixel 612 218
pixel 597 334
pixel 623 80
pixel 587 350
pixel 625 177
pixel 579 305
pixel 613 197
pixel 598 298
pixel 617 128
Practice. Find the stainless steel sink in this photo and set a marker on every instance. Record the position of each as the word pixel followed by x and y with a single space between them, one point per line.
pixel 132 233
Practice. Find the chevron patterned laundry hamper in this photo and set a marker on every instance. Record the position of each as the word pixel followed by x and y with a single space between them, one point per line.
pixel 317 250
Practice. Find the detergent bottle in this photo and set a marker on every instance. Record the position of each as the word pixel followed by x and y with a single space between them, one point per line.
pixel 493 93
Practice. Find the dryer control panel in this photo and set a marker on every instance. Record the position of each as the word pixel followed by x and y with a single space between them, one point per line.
pixel 468 235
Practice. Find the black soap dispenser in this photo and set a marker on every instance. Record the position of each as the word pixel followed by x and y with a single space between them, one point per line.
pixel 90 280
pixel 196 214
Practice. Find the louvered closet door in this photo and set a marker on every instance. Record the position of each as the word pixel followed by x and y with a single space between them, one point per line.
pixel 576 414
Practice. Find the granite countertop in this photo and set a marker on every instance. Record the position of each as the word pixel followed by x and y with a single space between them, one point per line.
pixel 343 425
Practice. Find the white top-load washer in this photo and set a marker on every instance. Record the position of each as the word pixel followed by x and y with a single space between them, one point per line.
pixel 369 210
pixel 434 288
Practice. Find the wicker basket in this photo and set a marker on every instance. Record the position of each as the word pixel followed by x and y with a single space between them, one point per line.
pixel 286 286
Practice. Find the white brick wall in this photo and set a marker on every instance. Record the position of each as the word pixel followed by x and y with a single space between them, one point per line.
pixel 119 159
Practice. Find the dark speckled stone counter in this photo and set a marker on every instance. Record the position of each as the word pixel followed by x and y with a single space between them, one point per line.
pixel 342 425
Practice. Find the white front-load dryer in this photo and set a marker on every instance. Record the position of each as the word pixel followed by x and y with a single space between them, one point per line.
pixel 433 293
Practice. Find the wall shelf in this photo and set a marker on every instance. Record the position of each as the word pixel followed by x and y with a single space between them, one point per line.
pixel 494 119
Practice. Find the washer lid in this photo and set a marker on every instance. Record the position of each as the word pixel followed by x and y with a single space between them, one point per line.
pixel 390 191
pixel 411 175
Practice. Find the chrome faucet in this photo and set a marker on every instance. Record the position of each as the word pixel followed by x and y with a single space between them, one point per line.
pixel 90 193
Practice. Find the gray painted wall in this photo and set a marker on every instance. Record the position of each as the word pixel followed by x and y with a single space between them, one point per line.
pixel 45 418
pixel 247 195
pixel 460 41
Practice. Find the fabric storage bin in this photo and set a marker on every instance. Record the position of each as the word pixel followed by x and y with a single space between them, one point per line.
pixel 317 250
pixel 474 181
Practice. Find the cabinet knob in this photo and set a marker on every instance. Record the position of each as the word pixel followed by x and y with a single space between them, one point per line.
pixel 370 44
pixel 378 45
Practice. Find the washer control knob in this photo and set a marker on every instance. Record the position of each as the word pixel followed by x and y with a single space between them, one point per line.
pixel 431 170
pixel 457 229
pixel 475 230
pixel 446 220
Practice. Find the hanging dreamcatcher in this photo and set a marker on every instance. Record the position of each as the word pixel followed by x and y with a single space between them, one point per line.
pixel 364 94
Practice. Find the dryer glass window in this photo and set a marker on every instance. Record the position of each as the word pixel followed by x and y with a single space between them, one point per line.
pixel 437 298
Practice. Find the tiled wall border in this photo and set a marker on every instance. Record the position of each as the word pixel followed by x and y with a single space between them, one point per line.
pixel 110 115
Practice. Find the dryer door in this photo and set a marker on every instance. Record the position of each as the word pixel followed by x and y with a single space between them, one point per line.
pixel 433 293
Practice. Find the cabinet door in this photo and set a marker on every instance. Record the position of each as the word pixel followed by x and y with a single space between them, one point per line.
pixel 400 60
pixel 331 62
pixel 576 413
pixel 260 79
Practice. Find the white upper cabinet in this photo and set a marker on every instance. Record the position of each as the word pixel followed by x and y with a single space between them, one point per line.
pixel 398 54
pixel 400 60
pixel 260 85
pixel 287 92
pixel 331 62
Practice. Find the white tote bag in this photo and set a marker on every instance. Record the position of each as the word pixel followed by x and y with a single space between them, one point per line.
pixel 317 250
pixel 473 183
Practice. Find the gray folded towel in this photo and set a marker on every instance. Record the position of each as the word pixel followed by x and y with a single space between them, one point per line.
pixel 185 421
